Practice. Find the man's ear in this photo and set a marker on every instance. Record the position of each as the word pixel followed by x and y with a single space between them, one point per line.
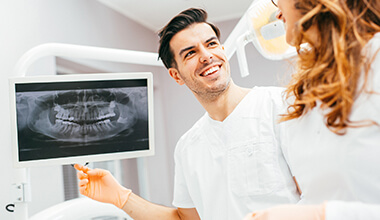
pixel 175 75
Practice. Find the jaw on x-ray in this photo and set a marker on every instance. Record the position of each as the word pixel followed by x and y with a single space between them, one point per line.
pixel 83 117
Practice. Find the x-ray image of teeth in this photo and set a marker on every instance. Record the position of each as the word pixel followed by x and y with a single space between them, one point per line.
pixel 85 117
pixel 82 115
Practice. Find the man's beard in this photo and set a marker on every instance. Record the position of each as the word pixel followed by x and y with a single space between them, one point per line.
pixel 206 93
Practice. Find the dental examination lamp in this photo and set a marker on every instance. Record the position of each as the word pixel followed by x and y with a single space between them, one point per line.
pixel 83 208
pixel 260 26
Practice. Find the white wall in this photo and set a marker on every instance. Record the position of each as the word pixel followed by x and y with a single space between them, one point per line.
pixel 25 24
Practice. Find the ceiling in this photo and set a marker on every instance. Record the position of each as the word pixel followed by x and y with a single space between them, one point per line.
pixel 154 14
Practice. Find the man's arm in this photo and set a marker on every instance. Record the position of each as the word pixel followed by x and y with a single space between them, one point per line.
pixel 139 208
pixel 101 186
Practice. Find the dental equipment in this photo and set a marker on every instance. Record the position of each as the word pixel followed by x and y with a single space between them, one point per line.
pixel 260 26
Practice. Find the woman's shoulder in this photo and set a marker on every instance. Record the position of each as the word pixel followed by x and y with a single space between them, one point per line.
pixel 372 51
pixel 377 36
pixel 374 43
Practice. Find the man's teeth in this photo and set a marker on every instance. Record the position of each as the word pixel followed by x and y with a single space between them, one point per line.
pixel 211 70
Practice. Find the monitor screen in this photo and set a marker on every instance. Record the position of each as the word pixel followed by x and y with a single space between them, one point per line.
pixel 66 119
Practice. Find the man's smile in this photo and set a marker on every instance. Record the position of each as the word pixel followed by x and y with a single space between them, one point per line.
pixel 211 70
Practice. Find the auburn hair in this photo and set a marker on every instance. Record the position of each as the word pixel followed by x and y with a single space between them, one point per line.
pixel 328 71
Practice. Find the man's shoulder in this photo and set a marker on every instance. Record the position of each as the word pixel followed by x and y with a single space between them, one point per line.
pixel 193 134
pixel 262 95
pixel 275 90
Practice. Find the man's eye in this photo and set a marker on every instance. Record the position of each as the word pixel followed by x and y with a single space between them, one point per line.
pixel 189 54
pixel 212 44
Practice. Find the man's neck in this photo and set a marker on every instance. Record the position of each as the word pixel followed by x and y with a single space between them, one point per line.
pixel 224 104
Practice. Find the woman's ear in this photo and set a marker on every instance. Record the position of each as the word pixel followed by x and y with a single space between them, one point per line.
pixel 175 75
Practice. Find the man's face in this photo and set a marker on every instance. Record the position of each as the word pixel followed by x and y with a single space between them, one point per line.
pixel 201 62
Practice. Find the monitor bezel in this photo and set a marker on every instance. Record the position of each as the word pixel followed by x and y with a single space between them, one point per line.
pixel 79 78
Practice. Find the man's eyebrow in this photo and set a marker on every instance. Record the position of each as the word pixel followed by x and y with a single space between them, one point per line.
pixel 192 47
pixel 186 49
pixel 211 39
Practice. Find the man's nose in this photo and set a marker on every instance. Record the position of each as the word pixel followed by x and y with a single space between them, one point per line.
pixel 206 56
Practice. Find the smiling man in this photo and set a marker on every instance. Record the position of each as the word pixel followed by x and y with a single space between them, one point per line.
pixel 230 162
pixel 201 64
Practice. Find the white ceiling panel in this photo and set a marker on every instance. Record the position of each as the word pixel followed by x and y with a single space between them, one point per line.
pixel 154 14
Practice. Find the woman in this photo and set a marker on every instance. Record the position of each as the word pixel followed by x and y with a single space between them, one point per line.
pixel 335 109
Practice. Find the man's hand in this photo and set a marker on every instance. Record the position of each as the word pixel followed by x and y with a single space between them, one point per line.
pixel 290 212
pixel 101 186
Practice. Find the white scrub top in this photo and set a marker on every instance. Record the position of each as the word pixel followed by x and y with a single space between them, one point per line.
pixel 340 167
pixel 228 169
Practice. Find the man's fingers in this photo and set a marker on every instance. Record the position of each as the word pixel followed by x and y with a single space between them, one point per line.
pixel 82 190
pixel 83 183
pixel 78 167
pixel 81 168
pixel 97 172
pixel 82 176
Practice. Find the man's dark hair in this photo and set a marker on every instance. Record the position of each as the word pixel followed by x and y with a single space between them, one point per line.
pixel 177 24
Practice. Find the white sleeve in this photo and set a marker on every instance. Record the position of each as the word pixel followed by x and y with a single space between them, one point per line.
pixel 339 210
pixel 181 195
pixel 282 128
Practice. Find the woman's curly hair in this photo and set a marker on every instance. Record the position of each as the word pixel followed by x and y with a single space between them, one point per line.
pixel 328 71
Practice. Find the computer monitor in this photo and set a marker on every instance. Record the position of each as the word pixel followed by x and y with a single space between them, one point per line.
pixel 66 119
